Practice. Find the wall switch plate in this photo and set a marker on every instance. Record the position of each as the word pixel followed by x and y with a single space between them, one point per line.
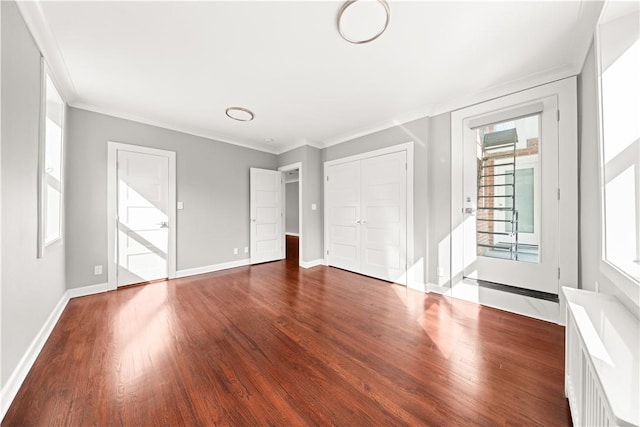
pixel 180 205
pixel 246 249
pixel 313 206
pixel 235 251
pixel 97 270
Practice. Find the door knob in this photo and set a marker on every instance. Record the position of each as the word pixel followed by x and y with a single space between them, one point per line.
pixel 163 224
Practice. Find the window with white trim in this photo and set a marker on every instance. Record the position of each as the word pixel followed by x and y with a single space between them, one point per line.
pixel 619 68
pixel 51 159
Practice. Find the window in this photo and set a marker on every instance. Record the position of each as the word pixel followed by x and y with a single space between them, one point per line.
pixel 619 68
pixel 51 194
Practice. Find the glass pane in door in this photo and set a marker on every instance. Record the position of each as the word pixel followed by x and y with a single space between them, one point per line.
pixel 508 214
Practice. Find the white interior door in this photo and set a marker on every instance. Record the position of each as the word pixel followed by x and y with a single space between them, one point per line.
pixel 384 216
pixel 266 215
pixel 343 211
pixel 142 217
pixel 489 230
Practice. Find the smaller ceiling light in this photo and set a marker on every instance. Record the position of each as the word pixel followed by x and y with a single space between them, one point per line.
pixel 239 113
pixel 362 21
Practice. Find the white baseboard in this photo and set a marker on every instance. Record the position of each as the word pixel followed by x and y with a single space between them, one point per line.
pixel 513 303
pixel 292 234
pixel 211 268
pixel 309 264
pixel 11 387
pixel 87 290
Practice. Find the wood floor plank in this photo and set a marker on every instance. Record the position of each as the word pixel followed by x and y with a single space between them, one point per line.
pixel 274 344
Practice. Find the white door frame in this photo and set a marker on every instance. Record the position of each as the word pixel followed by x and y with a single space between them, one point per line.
pixel 566 92
pixel 408 148
pixel 112 235
pixel 283 169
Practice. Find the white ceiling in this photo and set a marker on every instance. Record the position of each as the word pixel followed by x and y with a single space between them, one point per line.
pixel 181 64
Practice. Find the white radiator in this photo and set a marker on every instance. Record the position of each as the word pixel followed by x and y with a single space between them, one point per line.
pixel 601 361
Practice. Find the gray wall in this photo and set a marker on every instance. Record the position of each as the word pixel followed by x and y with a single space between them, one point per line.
pixel 212 181
pixel 439 200
pixel 312 225
pixel 292 213
pixel 589 257
pixel 31 287
pixel 416 131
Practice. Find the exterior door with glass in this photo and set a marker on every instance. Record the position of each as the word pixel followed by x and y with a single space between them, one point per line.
pixel 511 197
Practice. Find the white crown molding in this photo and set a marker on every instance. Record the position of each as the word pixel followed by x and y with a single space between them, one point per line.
pixel 377 127
pixel 164 125
pixel 43 36
pixel 513 86
pixel 297 144
pixel 586 23
pixel 281 149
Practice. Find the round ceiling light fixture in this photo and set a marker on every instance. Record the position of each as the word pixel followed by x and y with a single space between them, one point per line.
pixel 362 21
pixel 240 114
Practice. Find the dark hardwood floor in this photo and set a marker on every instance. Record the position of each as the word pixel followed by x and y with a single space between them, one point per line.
pixel 292 248
pixel 276 345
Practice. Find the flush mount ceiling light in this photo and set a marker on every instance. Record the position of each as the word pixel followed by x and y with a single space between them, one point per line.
pixel 362 21
pixel 239 113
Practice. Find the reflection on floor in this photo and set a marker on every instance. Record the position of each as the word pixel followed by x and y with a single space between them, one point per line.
pixel 275 344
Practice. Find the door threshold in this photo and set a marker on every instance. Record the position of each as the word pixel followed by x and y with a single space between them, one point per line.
pixel 149 282
pixel 546 296
pixel 497 297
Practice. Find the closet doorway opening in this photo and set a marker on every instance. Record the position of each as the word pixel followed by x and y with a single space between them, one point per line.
pixel 292 212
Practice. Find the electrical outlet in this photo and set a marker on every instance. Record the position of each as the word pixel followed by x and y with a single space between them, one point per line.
pixel 246 249
pixel 180 205
pixel 313 206
pixel 440 273
pixel 235 251
pixel 97 270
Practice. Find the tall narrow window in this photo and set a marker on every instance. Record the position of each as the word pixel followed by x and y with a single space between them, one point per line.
pixel 51 161
pixel 619 52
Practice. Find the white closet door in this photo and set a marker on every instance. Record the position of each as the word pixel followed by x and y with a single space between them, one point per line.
pixel 266 215
pixel 384 216
pixel 343 209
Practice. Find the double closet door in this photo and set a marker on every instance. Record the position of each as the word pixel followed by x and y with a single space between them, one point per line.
pixel 367 216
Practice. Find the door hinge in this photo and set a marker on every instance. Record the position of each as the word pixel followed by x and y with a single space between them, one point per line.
pixel 406 167
pixel 558 273
pixel 558 115
pixel 558 194
pixel 327 178
pixel 327 251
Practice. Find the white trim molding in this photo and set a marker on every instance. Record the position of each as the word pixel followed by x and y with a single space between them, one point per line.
pixel 88 290
pixel 311 264
pixel 17 377
pixel 211 268
pixel 112 158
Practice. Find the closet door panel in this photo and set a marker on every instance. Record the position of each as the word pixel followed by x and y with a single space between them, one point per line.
pixel 384 216
pixel 343 211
